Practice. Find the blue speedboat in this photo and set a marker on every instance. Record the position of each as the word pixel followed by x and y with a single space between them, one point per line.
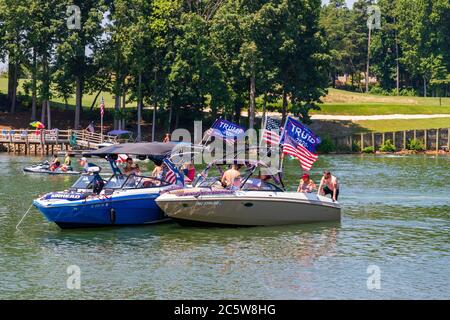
pixel 121 200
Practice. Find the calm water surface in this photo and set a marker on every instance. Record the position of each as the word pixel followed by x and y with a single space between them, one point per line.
pixel 396 215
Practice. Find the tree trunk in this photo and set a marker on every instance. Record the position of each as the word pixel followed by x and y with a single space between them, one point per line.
pixel 252 107
pixel 264 110
pixel 44 107
pixel 397 77
pixel 124 99
pixel 170 116
pixel 368 60
pixel 33 87
pixel 424 87
pixel 10 79
pixel 154 121
pixel 139 108
pixel 78 95
pixel 49 118
pixel 14 88
pixel 284 108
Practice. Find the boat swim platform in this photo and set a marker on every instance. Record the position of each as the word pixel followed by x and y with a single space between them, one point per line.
pixel 45 142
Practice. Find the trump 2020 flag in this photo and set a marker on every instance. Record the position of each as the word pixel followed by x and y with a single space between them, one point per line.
pixel 171 173
pixel 226 130
pixel 300 142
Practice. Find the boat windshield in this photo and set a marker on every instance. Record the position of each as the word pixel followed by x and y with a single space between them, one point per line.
pixel 84 182
pixel 259 185
pixel 134 182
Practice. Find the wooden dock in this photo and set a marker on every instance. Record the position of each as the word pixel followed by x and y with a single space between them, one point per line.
pixel 26 141
pixel 437 140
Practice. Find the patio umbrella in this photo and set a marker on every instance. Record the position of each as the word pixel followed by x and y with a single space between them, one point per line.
pixel 37 125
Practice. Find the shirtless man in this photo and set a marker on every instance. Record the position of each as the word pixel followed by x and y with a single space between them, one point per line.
pixel 230 175
pixel 329 185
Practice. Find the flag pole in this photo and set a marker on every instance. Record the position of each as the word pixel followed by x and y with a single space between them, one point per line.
pixel 101 120
pixel 281 146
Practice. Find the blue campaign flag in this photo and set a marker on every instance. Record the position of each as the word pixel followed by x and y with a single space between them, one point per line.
pixel 300 134
pixel 227 130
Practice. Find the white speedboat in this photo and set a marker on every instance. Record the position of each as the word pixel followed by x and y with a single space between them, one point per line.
pixel 255 202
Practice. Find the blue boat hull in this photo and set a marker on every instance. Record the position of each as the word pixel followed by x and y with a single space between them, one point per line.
pixel 111 212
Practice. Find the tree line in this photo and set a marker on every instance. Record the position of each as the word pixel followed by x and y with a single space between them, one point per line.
pixel 409 52
pixel 188 57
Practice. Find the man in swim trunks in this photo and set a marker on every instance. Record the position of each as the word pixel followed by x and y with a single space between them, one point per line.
pixel 329 185
pixel 230 175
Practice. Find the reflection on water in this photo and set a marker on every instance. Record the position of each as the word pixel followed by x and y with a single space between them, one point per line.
pixel 395 215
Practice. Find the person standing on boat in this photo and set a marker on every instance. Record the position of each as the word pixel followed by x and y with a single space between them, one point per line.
pixel 55 163
pixel 329 185
pixel 167 138
pixel 306 184
pixel 86 165
pixel 131 168
pixel 229 176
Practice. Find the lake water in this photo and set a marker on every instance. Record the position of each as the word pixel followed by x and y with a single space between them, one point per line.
pixel 395 220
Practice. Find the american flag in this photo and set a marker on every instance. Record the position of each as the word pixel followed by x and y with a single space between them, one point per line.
pixel 298 141
pixel 122 158
pixel 172 175
pixel 271 133
pixel 102 108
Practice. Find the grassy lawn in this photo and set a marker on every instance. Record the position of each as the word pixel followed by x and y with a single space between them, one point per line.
pixel 87 98
pixel 400 125
pixel 380 109
pixel 337 102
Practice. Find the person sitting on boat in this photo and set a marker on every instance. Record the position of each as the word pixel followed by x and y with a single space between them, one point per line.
pixel 87 166
pixel 189 172
pixel 306 184
pixel 157 172
pixel 131 168
pixel 229 176
pixel 329 185
pixel 55 163
pixel 67 165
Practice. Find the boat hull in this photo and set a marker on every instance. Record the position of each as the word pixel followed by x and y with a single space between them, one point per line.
pixel 114 211
pixel 249 209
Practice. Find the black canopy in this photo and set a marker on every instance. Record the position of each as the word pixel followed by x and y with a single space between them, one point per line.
pixel 155 151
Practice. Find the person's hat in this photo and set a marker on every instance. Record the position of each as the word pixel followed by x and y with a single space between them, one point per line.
pixel 305 176
pixel 83 159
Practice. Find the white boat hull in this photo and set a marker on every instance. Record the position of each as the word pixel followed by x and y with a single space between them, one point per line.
pixel 254 208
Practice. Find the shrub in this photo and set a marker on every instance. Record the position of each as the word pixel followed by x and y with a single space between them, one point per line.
pixel 408 92
pixel 387 146
pixel 356 146
pixel 415 145
pixel 368 150
pixel 327 145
